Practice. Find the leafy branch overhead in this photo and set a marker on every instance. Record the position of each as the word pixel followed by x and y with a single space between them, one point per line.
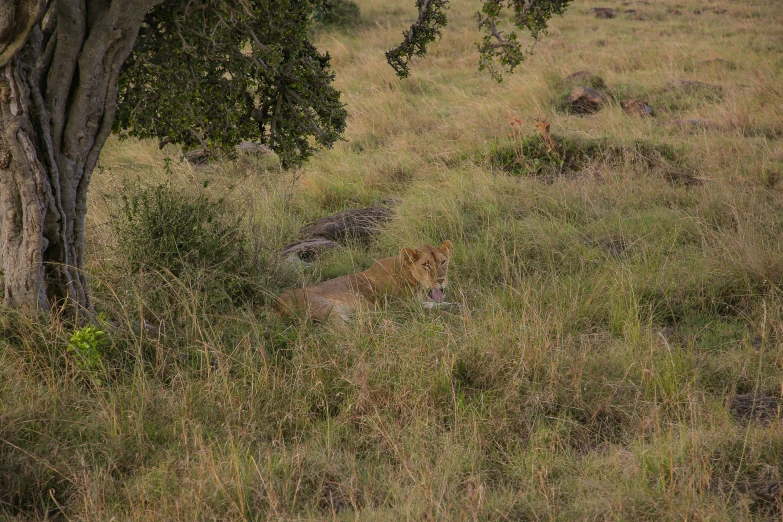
pixel 211 73
pixel 497 48
pixel 426 29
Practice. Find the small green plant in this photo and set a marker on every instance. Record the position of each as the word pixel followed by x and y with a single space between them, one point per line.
pixel 85 346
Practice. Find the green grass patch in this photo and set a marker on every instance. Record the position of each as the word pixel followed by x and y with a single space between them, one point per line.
pixel 567 156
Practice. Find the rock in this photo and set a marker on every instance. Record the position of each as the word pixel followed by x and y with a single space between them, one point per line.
pixel 719 11
pixel 308 249
pixel 201 157
pixel 197 156
pixel 250 147
pixel 755 406
pixel 351 224
pixel 697 11
pixel 584 100
pixel 630 11
pixel 634 107
pixel 603 12
pixel 333 231
pixel 586 78
pixel 674 11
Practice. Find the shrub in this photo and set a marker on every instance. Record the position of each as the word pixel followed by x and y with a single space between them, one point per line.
pixel 160 227
pixel 191 237
pixel 567 156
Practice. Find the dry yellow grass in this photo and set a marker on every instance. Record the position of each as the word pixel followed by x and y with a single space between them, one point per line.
pixel 610 314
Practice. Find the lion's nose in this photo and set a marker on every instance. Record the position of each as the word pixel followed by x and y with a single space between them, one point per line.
pixel 441 280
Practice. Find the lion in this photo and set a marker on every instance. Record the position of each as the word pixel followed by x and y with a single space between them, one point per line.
pixel 423 269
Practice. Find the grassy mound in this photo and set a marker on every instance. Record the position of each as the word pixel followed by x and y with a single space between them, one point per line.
pixel 569 157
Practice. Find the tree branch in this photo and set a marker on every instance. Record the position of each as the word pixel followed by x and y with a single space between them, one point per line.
pixel 425 30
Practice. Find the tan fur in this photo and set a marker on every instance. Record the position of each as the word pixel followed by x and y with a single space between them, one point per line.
pixel 335 300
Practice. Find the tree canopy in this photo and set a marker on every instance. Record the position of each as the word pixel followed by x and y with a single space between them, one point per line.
pixel 211 73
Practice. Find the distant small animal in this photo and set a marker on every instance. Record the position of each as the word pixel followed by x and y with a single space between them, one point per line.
pixel 422 271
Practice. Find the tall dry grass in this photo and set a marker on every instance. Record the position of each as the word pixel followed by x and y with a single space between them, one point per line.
pixel 611 312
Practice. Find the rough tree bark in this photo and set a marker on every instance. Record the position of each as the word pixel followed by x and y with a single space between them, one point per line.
pixel 59 66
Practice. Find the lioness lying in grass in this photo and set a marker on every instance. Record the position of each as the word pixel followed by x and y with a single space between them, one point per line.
pixel 403 275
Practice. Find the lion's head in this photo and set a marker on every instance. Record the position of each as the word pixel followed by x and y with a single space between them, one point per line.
pixel 428 268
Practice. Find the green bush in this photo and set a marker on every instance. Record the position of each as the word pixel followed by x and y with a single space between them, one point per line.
pixel 159 227
pixel 190 236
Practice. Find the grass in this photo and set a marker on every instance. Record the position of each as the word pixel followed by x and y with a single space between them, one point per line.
pixel 619 290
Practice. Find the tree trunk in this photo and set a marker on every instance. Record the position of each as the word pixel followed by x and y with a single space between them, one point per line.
pixel 58 96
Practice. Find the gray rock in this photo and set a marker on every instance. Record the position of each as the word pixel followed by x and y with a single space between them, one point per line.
pixel 308 249
pixel 250 147
pixel 332 231
pixel 352 224
pixel 585 78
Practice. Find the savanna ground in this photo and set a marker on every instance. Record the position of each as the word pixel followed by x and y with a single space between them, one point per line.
pixel 619 291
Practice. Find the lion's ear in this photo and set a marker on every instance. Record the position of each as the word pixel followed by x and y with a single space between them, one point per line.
pixel 409 255
pixel 446 248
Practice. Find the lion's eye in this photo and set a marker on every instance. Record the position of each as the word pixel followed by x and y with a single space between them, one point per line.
pixel 443 263
pixel 427 266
